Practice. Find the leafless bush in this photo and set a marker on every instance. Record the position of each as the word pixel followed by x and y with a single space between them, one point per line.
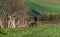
pixel 11 8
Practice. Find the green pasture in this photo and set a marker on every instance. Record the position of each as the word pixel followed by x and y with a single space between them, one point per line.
pixel 43 5
pixel 46 30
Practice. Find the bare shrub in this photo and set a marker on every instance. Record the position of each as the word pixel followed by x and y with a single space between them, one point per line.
pixel 11 9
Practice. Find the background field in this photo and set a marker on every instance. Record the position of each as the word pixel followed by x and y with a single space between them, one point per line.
pixel 44 5
pixel 44 8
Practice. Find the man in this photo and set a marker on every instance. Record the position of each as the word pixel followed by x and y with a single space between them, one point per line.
pixel 36 18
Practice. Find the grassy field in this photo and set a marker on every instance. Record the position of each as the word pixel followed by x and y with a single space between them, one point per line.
pixel 43 5
pixel 48 30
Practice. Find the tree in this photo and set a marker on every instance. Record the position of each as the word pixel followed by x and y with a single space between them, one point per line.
pixel 11 8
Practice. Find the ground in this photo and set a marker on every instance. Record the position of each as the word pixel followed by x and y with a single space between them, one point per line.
pixel 50 22
pixel 54 0
pixel 47 30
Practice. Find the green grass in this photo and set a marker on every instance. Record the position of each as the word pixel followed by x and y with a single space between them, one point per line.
pixel 43 5
pixel 48 30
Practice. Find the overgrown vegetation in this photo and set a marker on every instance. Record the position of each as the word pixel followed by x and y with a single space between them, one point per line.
pixel 50 17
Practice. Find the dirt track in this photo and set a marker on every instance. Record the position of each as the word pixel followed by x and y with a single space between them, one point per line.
pixel 50 22
pixel 53 0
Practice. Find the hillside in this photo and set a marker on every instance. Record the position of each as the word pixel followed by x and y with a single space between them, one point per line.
pixel 44 5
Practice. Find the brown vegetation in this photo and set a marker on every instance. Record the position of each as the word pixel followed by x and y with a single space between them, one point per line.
pixel 10 10
pixel 50 17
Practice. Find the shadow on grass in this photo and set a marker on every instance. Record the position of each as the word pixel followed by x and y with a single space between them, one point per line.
pixel 3 33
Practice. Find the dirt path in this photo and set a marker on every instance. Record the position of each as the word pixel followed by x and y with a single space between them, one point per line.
pixel 53 0
pixel 50 22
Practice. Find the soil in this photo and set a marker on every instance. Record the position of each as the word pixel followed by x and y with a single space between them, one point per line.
pixel 50 22
pixel 53 0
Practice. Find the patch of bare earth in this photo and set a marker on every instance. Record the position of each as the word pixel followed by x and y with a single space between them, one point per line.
pixel 50 22
pixel 54 1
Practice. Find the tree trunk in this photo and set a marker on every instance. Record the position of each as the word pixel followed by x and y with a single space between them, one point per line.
pixel 1 24
pixel 11 23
